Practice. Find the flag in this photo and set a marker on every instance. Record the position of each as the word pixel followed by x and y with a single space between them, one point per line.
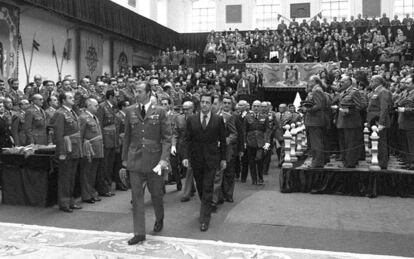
pixel 65 53
pixel 53 51
pixel 36 45
pixel 319 15
pixel 279 16
pixel 297 100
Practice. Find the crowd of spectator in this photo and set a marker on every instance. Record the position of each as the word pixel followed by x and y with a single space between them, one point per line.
pixel 358 40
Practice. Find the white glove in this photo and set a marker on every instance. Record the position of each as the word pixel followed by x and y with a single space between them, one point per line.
pixel 266 146
pixel 381 127
pixel 173 150
pixel 401 109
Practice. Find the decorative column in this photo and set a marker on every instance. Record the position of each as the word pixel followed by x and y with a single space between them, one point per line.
pixel 299 137
pixel 293 132
pixel 366 142
pixel 287 137
pixel 374 149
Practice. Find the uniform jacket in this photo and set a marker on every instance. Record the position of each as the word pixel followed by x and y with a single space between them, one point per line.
pixel 231 134
pixel 257 129
pixel 120 125
pixel 147 140
pixel 90 130
pixel 5 133
pixel 65 123
pixel 379 105
pixel 17 128
pixel 316 115
pixel 178 133
pixel 106 116
pixel 353 97
pixel 35 126
pixel 127 95
pixel 205 147
pixel 406 119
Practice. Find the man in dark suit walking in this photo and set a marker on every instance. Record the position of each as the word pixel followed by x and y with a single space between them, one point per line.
pixel 145 152
pixel 205 147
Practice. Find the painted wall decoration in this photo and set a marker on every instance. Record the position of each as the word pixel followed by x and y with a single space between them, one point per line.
pixel 289 74
pixel 9 46
pixel 122 56
pixel 90 54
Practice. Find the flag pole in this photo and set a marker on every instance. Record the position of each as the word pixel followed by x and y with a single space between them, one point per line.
pixel 24 59
pixel 31 59
pixel 63 57
pixel 56 60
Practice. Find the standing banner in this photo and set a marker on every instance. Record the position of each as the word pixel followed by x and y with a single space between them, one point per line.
pixel 9 41
pixel 284 75
pixel 90 54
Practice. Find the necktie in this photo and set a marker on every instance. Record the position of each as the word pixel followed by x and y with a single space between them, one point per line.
pixel 204 125
pixel 74 114
pixel 143 111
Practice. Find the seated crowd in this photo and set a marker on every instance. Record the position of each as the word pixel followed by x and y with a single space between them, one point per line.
pixel 358 40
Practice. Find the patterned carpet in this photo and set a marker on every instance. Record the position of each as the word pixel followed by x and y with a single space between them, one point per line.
pixel 27 241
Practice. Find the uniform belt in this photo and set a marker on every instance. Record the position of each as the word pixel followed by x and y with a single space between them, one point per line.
pixel 88 149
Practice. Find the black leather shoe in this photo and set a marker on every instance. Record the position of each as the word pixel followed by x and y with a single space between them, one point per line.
pixel 229 200
pixel 66 209
pixel 136 239
pixel 76 207
pixel 111 193
pixel 158 226
pixel 185 199
pixel 203 227
pixel 92 200
pixel 97 199
pixel 121 188
pixel 108 194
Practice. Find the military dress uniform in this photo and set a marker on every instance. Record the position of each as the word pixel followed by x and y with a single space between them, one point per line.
pixel 17 128
pixel 177 141
pixel 126 94
pixel 147 140
pixel 349 125
pixel 274 125
pixel 406 123
pixel 224 180
pixel 16 97
pixel 257 130
pixel 120 131
pixel 50 111
pixel 68 144
pixel 35 126
pixel 106 116
pixel 315 122
pixel 378 112
pixel 175 160
pixel 92 143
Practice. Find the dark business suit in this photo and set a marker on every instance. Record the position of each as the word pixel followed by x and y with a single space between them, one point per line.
pixel 146 141
pixel 205 148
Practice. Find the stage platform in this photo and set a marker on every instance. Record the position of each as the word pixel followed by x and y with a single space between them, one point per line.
pixel 359 181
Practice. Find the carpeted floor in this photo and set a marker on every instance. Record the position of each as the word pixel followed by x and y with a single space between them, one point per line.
pixel 28 241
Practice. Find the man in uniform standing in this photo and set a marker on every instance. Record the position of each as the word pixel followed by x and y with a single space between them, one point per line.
pixel 91 137
pixel 145 152
pixel 68 150
pixel 35 122
pixel 378 113
pixel 257 130
pixel 120 130
pixel 406 121
pixel 315 121
pixel 106 116
pixel 349 122
pixel 127 93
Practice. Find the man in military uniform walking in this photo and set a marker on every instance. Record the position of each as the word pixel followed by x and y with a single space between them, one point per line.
pixel 146 149
pixel 257 130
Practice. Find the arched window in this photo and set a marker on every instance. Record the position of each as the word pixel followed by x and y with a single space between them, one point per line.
pixel 203 15
pixel 266 13
pixel 335 8
pixel 403 7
